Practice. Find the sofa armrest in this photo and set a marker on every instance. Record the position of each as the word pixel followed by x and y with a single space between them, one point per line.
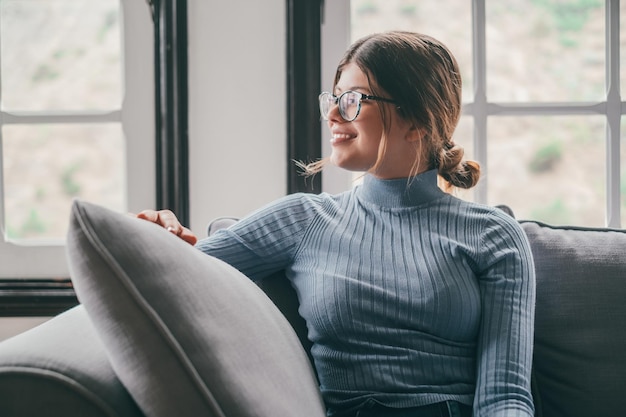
pixel 59 368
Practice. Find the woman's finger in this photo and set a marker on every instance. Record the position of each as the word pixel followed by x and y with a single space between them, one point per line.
pixel 168 220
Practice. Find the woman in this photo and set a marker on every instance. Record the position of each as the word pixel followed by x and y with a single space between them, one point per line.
pixel 417 303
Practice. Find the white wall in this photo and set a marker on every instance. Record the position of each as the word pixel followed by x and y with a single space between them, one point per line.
pixel 237 122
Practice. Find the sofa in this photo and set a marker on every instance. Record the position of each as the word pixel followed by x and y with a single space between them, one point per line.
pixel 196 357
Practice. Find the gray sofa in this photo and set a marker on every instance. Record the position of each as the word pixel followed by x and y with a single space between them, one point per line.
pixel 83 362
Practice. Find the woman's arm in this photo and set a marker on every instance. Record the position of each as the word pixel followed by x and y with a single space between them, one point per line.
pixel 507 285
pixel 267 240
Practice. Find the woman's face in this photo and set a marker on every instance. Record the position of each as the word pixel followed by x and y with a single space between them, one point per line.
pixel 355 144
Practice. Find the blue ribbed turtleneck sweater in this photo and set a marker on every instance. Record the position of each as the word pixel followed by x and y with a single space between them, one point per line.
pixel 411 296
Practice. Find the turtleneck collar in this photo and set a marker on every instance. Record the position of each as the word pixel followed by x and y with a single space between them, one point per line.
pixel 402 192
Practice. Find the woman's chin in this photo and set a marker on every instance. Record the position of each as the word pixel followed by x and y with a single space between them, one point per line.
pixel 346 163
pixel 339 161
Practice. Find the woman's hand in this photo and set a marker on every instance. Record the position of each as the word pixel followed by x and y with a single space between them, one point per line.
pixel 168 220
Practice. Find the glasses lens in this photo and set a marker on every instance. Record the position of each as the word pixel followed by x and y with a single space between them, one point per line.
pixel 326 101
pixel 349 103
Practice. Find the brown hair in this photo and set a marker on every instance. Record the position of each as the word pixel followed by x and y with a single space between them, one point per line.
pixel 422 76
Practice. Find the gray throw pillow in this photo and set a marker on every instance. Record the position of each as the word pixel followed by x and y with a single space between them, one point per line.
pixel 187 334
pixel 579 365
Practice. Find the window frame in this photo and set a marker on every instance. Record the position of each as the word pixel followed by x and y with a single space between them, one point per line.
pixel 171 106
pixel 304 21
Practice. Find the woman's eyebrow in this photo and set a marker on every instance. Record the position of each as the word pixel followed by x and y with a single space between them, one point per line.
pixel 353 88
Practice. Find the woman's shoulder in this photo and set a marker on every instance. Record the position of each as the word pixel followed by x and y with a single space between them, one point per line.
pixel 481 209
pixel 309 201
pixel 487 216
pixel 296 207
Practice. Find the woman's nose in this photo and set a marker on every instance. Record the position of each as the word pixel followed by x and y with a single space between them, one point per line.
pixel 333 113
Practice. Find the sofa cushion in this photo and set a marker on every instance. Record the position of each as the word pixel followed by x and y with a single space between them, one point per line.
pixel 579 366
pixel 59 369
pixel 187 334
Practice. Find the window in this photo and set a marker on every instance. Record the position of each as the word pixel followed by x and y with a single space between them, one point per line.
pixel 77 121
pixel 542 107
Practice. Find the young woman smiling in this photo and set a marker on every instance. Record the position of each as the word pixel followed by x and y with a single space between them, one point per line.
pixel 418 303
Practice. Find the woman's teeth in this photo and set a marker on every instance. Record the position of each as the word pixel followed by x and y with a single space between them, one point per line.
pixel 340 137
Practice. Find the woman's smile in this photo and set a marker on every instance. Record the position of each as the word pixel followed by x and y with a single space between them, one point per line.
pixel 338 138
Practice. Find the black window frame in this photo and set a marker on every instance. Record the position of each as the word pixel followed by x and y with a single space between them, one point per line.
pixel 304 22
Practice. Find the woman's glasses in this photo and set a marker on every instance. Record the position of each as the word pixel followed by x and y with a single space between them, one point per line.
pixel 349 103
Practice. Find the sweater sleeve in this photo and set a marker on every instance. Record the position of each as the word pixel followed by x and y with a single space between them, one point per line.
pixel 265 241
pixel 507 285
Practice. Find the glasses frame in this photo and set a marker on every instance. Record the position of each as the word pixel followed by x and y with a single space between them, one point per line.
pixel 337 100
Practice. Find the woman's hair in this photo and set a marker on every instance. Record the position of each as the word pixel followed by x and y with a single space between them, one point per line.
pixel 422 77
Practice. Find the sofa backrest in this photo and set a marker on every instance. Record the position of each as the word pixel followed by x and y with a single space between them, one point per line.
pixel 579 366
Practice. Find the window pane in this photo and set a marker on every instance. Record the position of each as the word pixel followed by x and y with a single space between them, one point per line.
pixel 431 17
pixel 46 166
pixel 60 55
pixel 545 50
pixel 550 169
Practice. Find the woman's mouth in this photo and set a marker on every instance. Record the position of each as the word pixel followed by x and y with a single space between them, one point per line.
pixel 341 137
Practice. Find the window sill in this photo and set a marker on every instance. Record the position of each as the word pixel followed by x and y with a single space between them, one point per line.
pixel 35 298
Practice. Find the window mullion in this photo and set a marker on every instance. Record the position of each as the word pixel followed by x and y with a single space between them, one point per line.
pixel 50 117
pixel 479 105
pixel 546 109
pixel 613 203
